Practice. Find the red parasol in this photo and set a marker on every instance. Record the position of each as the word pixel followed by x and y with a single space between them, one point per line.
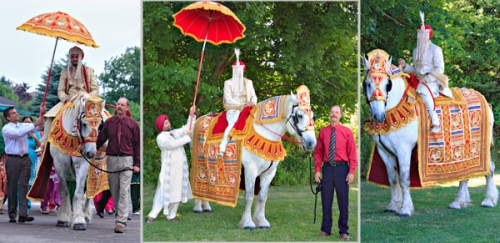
pixel 209 22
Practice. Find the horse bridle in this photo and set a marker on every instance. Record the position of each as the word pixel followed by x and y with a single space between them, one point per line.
pixel 294 117
pixel 377 97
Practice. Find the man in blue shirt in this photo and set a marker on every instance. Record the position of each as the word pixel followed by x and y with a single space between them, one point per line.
pixel 18 165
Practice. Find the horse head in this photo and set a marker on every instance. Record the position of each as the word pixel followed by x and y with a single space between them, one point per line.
pixel 90 123
pixel 300 118
pixel 377 83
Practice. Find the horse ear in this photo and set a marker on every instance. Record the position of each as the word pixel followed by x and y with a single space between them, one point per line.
pixel 366 64
pixel 388 67
pixel 294 97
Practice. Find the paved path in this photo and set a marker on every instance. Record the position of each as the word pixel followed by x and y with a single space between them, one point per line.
pixel 43 229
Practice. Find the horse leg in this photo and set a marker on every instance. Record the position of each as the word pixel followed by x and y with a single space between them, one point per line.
pixel 246 220
pixel 64 213
pixel 259 216
pixel 86 210
pixel 206 207
pixel 491 198
pixel 81 169
pixel 392 172
pixel 462 200
pixel 404 179
pixel 197 206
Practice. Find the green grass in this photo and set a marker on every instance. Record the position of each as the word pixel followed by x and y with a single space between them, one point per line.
pixel 289 210
pixel 432 221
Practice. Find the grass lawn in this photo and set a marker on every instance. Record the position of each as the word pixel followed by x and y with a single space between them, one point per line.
pixel 432 221
pixel 289 210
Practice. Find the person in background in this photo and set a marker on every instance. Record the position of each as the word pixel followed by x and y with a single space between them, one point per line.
pixel 33 142
pixel 3 185
pixel 18 163
pixel 52 199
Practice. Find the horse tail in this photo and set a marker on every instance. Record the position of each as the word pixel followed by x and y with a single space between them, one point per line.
pixel 492 122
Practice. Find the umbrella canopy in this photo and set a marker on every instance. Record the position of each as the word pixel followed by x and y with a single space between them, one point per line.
pixel 59 25
pixel 209 21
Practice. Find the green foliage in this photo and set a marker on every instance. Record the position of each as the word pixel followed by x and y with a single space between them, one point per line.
pixel 467 31
pixel 55 75
pixel 289 210
pixel 286 45
pixel 122 77
pixel 432 220
pixel 7 92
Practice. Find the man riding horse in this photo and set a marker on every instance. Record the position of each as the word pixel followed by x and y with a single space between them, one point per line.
pixel 238 94
pixel 428 69
pixel 74 79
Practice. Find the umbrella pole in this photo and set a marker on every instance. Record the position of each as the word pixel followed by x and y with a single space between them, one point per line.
pixel 48 76
pixel 199 68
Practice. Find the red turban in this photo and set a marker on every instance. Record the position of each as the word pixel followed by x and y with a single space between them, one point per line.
pixel 427 27
pixel 242 64
pixel 160 121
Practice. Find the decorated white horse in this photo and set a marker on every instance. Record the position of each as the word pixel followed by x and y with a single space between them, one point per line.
pixel 259 148
pixel 72 142
pixel 398 123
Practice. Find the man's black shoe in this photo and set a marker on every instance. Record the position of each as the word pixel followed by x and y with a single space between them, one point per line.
pixel 23 219
pixel 101 214
pixel 12 221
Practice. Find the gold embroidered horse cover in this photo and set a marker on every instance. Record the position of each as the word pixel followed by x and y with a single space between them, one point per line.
pixel 460 150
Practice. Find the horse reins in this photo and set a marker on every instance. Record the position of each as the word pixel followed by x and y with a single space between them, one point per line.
pixel 318 188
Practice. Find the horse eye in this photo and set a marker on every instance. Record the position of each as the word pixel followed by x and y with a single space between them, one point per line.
pixel 84 125
pixel 300 116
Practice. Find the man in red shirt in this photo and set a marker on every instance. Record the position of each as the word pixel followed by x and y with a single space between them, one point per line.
pixel 123 151
pixel 336 153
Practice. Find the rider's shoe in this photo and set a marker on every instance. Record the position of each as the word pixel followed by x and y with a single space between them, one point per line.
pixel 435 129
pixel 220 154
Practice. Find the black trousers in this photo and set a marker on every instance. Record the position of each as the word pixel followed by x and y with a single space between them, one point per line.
pixel 18 176
pixel 334 179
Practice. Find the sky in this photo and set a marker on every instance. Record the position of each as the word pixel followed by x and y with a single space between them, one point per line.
pixel 25 56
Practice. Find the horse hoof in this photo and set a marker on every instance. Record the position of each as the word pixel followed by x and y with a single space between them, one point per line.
pixel 197 211
pixel 404 215
pixel 264 227
pixel 389 211
pixel 62 224
pixel 207 210
pixel 79 227
pixel 487 206
pixel 249 228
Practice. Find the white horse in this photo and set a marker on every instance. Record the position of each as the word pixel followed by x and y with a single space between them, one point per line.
pixel 395 147
pixel 296 122
pixel 79 122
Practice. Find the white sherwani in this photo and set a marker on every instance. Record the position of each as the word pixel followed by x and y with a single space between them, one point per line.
pixel 235 98
pixel 173 183
pixel 433 62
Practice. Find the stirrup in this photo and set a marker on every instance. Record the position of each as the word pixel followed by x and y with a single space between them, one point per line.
pixel 220 154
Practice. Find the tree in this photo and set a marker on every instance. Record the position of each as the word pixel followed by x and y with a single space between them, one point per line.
pixel 21 90
pixel 287 44
pixel 52 98
pixel 7 92
pixel 122 77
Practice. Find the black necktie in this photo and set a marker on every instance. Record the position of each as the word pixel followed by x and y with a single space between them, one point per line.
pixel 331 153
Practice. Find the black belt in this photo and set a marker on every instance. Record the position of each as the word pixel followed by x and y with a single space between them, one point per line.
pixel 17 155
pixel 335 163
pixel 119 155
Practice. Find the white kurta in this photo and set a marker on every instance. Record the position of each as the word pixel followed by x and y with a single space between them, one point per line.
pixel 173 182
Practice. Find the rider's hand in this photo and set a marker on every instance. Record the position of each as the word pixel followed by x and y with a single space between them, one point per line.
pixel 250 103
pixel 192 110
pixel 421 80
pixel 402 63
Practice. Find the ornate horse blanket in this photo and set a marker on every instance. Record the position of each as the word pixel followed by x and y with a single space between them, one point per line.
pixel 97 181
pixel 460 150
pixel 219 180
